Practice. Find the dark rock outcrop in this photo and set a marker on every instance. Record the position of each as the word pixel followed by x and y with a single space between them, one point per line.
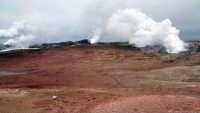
pixel 68 43
pixel 84 41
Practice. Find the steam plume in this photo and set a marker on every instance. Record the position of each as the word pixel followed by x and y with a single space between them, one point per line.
pixel 127 25
pixel 13 30
pixel 19 35
pixel 136 27
pixel 96 36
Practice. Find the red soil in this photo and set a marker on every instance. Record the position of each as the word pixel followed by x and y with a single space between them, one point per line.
pixel 150 104
pixel 91 78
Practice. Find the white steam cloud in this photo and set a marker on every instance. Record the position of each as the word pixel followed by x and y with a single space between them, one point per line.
pixel 19 35
pixel 13 30
pixel 135 27
pixel 126 25
pixel 23 41
pixel 96 36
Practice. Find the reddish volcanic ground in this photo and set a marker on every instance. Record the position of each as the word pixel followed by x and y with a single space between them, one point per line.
pixel 98 79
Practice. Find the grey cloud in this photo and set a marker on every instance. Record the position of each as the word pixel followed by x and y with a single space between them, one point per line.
pixel 63 20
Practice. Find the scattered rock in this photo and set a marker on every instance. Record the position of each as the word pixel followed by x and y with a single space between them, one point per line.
pixel 64 101
pixel 150 54
pixel 172 57
pixel 46 108
pixel 41 108
pixel 54 97
pixel 156 49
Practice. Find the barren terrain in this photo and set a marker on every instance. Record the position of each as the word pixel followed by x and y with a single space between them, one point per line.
pixel 98 79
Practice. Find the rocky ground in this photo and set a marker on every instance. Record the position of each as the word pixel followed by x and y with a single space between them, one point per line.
pixel 98 79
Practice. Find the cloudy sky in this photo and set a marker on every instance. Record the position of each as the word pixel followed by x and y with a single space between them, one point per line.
pixel 63 20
